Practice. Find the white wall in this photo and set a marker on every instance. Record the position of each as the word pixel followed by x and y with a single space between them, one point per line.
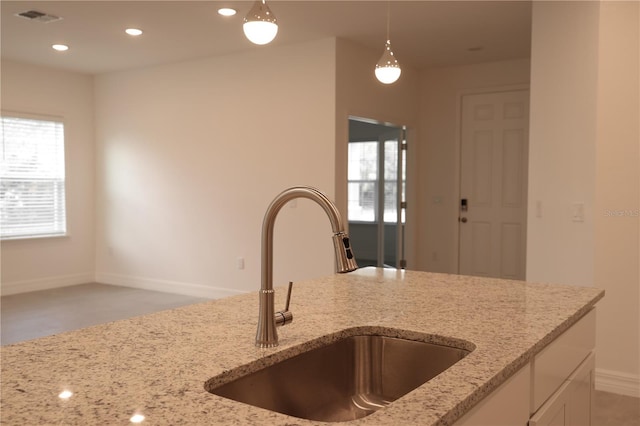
pixel 439 152
pixel 617 195
pixel 584 149
pixel 359 94
pixel 189 156
pixel 564 71
pixel 37 264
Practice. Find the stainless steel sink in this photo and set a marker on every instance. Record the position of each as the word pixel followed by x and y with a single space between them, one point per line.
pixel 344 380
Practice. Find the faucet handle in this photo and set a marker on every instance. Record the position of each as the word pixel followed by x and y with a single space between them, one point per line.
pixel 286 306
pixel 285 317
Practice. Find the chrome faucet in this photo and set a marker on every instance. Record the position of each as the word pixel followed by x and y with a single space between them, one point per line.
pixel 268 320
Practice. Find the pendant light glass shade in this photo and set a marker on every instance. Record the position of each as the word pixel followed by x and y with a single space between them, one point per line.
pixel 260 25
pixel 387 69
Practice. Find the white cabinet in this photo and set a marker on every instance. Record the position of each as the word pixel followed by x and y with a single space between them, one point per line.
pixel 571 404
pixel 555 388
pixel 555 363
pixel 506 406
pixel 562 376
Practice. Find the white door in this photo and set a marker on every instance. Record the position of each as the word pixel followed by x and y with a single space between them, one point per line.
pixel 493 184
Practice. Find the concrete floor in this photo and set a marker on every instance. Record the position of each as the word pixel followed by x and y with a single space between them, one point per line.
pixel 31 315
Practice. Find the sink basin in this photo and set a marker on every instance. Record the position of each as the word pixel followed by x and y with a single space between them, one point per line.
pixel 344 380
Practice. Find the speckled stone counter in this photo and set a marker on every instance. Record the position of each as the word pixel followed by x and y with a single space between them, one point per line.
pixel 156 365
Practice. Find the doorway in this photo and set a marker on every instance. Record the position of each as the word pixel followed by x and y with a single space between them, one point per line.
pixel 376 191
pixel 493 184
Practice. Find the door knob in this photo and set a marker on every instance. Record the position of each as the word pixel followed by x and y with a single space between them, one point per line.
pixel 463 219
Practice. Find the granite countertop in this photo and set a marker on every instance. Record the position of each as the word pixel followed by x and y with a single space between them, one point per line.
pixel 157 364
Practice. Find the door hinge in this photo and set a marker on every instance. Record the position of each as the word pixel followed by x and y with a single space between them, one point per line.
pixel 403 205
pixel 403 146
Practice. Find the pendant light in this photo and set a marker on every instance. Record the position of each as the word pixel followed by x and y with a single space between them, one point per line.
pixel 260 25
pixel 387 69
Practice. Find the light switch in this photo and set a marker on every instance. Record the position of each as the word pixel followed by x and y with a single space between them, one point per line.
pixel 577 212
pixel 538 208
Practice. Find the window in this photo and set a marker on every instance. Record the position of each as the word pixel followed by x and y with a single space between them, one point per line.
pixel 364 180
pixel 32 178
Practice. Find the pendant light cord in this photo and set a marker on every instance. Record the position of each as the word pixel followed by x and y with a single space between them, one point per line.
pixel 388 17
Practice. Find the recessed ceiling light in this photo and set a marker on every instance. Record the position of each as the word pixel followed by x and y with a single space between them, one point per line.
pixel 65 394
pixel 226 11
pixel 60 47
pixel 133 31
pixel 137 418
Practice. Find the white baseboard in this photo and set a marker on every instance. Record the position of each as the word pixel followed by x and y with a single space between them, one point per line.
pixel 618 382
pixel 175 287
pixel 26 286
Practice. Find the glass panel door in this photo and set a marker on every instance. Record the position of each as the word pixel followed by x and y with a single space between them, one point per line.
pixel 376 196
pixel 394 196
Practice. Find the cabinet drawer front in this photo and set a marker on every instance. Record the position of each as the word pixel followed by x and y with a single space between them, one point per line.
pixel 571 404
pixel 556 362
pixel 506 406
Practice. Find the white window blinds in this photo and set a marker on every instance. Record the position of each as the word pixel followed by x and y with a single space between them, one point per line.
pixel 32 178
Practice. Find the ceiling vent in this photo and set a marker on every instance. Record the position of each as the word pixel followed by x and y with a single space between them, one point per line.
pixel 34 15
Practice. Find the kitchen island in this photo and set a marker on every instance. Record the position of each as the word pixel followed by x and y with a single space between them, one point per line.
pixel 157 365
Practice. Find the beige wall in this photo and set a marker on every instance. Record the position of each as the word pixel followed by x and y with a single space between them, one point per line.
pixel 189 156
pixel 584 149
pixel 36 264
pixel 617 195
pixel 438 152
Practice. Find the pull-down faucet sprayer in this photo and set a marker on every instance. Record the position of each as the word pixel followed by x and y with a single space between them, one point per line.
pixel 267 336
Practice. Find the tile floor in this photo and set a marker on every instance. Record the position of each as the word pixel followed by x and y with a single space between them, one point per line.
pixel 28 316
pixel 615 410
pixel 31 315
